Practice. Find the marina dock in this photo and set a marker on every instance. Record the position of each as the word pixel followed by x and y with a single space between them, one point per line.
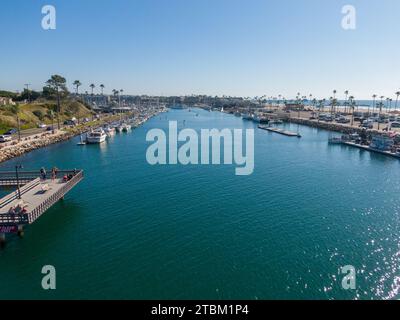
pixel 368 148
pixel 35 197
pixel 281 131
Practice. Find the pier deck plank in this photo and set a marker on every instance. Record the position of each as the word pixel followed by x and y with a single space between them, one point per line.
pixel 34 197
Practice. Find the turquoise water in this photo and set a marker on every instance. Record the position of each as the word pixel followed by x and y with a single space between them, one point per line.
pixel 134 231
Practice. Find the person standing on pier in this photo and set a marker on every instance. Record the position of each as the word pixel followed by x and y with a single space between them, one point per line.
pixel 43 173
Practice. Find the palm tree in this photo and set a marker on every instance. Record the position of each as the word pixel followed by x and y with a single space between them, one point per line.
pixel 77 84
pixel 120 91
pixel 92 86
pixel 397 99
pixel 15 109
pixel 373 104
pixel 352 106
pixel 345 105
pixel 380 111
pixel 332 104
pixel 102 86
pixel 334 100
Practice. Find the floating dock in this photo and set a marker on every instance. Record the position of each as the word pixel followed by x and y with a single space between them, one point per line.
pixel 368 148
pixel 35 197
pixel 281 131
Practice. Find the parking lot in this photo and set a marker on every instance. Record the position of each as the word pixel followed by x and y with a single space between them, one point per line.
pixel 371 121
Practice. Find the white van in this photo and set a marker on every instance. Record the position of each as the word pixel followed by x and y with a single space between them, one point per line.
pixel 5 139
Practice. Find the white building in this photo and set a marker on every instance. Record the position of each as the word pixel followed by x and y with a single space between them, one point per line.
pixel 5 101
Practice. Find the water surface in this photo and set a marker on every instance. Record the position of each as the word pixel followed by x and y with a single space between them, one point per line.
pixel 134 231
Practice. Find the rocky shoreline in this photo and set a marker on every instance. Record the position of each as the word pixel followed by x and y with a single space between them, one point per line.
pixel 33 143
pixel 28 144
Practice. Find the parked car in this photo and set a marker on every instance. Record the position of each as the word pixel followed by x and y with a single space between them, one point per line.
pixel 395 124
pixel 367 124
pixel 11 131
pixel 69 123
pixel 49 129
pixel 343 120
pixel 42 126
pixel 5 138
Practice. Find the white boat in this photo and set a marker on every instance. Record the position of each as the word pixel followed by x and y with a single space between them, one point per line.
pixel 335 140
pixel 381 143
pixel 247 116
pixel 96 136
pixel 119 128
pixel 126 127
pixel 256 119
pixel 109 130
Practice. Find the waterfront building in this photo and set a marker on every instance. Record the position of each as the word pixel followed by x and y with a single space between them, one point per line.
pixel 6 101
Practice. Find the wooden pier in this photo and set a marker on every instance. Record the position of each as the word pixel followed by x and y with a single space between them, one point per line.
pixel 36 195
pixel 281 131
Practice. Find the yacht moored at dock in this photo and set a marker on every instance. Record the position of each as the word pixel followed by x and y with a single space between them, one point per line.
pixel 96 136
pixel 382 144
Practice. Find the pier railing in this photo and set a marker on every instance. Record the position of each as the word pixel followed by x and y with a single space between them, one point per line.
pixel 10 219
pixel 12 196
pixel 9 178
pixel 45 205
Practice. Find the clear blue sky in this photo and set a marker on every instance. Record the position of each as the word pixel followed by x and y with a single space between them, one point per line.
pixel 216 47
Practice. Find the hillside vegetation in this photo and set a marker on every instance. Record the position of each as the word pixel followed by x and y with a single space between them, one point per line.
pixel 41 112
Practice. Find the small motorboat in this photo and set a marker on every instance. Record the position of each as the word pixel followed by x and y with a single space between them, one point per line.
pixel 81 142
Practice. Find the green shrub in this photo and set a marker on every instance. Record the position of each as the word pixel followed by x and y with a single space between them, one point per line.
pixel 38 114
